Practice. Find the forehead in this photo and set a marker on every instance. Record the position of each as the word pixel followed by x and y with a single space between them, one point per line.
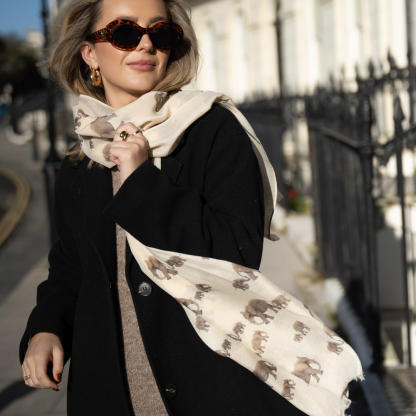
pixel 143 12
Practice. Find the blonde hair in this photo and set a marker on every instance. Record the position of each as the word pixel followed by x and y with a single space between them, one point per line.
pixel 78 19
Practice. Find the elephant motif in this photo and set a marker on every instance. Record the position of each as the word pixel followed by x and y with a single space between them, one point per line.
pixel 103 128
pixel 240 283
pixel 288 385
pixel 335 347
pixel 308 309
pixel 106 152
pixel 300 327
pixel 304 370
pixel 159 97
pixel 154 264
pixel 332 334
pixel 263 369
pixel 281 302
pixel 201 324
pixel 226 345
pixel 80 114
pixel 258 337
pixel 201 289
pixel 242 269
pixel 175 261
pixel 298 338
pixel 257 308
pixel 238 329
pixel 188 303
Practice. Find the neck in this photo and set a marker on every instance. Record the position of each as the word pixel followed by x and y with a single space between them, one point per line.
pixel 117 98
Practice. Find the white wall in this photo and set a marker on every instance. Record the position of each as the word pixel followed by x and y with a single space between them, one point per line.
pixel 238 43
pixel 323 37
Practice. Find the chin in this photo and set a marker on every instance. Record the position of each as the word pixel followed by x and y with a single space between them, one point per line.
pixel 143 85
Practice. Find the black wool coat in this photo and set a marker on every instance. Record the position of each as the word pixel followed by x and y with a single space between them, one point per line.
pixel 206 200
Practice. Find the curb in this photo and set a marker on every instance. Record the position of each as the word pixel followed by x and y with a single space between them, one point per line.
pixel 377 400
pixel 19 204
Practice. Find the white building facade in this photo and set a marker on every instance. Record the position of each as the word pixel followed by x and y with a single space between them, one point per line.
pixel 238 41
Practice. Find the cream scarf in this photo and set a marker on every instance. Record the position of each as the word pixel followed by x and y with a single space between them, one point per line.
pixel 237 311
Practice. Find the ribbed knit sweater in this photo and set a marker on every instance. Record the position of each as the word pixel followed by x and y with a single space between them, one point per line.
pixel 144 393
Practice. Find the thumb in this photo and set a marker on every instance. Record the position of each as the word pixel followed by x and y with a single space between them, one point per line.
pixel 58 363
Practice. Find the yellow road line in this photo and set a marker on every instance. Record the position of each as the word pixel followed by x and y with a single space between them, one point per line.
pixel 18 205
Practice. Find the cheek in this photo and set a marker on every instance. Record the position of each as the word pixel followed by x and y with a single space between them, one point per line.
pixel 110 59
pixel 163 59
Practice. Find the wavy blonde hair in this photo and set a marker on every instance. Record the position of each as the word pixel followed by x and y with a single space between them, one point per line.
pixel 78 19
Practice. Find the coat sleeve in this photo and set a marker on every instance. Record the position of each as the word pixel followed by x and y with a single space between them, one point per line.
pixel 225 221
pixel 57 296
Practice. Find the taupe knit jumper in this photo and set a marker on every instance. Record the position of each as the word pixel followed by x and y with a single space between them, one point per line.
pixel 144 392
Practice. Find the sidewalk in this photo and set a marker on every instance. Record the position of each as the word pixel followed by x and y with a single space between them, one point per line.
pixel 30 239
pixel 17 399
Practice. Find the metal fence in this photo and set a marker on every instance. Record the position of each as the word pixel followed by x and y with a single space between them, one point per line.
pixel 351 136
pixel 266 118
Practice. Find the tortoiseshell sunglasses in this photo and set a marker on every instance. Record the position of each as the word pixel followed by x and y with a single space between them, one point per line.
pixel 126 35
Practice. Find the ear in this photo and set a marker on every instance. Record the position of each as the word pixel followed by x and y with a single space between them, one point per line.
pixel 88 55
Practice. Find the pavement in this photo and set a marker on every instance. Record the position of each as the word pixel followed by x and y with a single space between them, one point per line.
pixel 30 239
pixel 17 399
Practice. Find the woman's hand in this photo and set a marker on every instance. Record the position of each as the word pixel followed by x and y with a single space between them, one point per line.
pixel 128 154
pixel 43 347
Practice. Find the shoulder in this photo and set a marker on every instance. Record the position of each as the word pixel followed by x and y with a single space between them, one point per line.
pixel 219 124
pixel 219 117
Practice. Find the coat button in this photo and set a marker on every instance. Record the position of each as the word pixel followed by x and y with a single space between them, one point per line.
pixel 145 289
pixel 171 390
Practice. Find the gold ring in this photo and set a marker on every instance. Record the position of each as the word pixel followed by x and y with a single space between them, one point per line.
pixel 27 377
pixel 124 135
pixel 138 131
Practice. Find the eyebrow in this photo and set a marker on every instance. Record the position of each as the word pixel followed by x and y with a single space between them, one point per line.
pixel 154 19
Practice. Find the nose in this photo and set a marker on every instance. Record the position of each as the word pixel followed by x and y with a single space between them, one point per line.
pixel 145 44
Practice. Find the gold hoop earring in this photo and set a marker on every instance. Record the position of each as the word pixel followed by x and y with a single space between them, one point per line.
pixel 95 77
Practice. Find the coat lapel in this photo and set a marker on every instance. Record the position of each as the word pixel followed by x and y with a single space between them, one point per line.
pixel 101 231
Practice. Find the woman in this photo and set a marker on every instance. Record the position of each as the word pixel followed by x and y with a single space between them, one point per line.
pixel 132 348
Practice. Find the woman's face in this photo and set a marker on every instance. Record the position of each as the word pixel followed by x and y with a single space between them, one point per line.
pixel 123 78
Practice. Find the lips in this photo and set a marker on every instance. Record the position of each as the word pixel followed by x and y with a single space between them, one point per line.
pixel 143 62
pixel 143 65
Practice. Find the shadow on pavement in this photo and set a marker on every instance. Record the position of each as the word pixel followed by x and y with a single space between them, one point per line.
pixel 14 391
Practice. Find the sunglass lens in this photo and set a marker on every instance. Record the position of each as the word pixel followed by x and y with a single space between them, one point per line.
pixel 165 37
pixel 126 35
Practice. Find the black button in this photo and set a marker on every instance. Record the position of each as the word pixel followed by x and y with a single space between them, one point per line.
pixel 171 390
pixel 145 289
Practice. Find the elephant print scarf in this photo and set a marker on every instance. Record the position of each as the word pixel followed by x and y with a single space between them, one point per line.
pixel 261 327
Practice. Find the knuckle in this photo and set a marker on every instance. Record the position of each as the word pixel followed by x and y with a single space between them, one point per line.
pixel 38 357
pixel 40 375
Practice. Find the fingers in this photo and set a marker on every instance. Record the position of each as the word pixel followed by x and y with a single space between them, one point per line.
pixel 36 366
pixel 26 372
pixel 58 363
pixel 131 129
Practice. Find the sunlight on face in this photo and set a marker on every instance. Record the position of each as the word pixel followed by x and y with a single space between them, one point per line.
pixel 121 73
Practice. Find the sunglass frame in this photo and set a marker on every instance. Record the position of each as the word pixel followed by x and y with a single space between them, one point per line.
pixel 105 35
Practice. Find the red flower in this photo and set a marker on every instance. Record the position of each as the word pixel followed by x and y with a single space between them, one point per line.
pixel 291 194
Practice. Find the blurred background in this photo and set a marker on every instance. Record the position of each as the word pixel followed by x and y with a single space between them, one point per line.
pixel 329 86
